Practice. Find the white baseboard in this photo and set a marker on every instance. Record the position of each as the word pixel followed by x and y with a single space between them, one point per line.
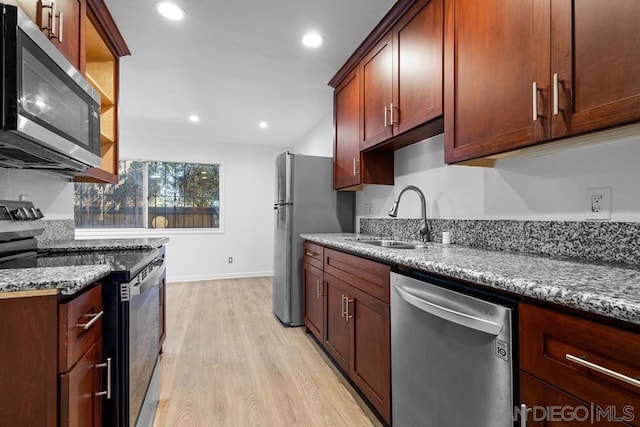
pixel 200 277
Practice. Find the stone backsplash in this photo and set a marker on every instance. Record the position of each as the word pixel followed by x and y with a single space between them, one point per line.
pixel 597 241
pixel 56 230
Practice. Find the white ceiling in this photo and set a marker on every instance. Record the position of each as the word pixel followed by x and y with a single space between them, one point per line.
pixel 235 63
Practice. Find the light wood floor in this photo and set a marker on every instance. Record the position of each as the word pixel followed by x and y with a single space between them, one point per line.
pixel 228 362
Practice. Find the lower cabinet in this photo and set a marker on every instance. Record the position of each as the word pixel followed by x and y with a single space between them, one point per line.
pixel 51 363
pixel 313 299
pixel 80 398
pixel 576 371
pixel 356 328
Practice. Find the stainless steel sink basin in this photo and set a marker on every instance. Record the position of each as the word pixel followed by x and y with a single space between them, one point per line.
pixel 393 244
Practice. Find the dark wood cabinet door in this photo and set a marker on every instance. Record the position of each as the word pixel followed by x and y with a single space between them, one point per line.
pixel 417 57
pixel 68 25
pixel 313 297
pixel 494 51
pixel 28 374
pixel 548 406
pixel 79 405
pixel 346 153
pixel 370 365
pixel 336 328
pixel 595 54
pixel 376 79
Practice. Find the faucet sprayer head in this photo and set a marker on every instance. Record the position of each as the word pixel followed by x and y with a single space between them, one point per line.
pixel 394 210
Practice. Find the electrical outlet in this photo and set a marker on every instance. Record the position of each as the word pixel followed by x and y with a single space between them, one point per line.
pixel 597 203
pixel 230 260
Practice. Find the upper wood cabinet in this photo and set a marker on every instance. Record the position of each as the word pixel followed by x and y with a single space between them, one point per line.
pixel 388 94
pixel 520 73
pixel 60 20
pixel 346 152
pixel 401 77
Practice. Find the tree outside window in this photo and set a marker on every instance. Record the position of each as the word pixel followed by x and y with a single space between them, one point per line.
pixel 178 195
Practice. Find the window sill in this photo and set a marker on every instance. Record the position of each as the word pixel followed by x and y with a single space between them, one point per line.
pixel 115 233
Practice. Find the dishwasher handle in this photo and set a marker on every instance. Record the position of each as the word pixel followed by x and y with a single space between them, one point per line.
pixel 445 313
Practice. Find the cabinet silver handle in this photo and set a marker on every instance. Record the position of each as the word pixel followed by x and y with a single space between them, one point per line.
pixel 347 315
pixel 391 121
pixel 60 26
pixel 354 166
pixel 556 107
pixel 90 323
pixel 108 366
pixel 613 374
pixel 524 412
pixel 343 310
pixel 535 101
pixel 318 295
pixel 311 253
pixel 386 120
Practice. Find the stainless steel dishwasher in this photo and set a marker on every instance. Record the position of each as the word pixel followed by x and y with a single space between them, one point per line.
pixel 451 356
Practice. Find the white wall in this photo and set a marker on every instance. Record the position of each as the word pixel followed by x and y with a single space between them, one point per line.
pixel 319 141
pixel 550 187
pixel 51 193
pixel 247 193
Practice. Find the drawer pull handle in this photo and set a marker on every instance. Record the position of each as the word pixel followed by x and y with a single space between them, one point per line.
pixel 90 323
pixel 613 374
pixel 311 254
pixel 107 365
pixel 347 315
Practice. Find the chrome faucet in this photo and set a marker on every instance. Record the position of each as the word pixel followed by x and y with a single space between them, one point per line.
pixel 424 226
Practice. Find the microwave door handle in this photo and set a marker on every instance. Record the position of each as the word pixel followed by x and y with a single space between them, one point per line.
pixel 447 314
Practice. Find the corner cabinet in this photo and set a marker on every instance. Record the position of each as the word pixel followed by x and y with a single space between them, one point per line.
pixel 103 48
pixel 347 310
pixel 521 73
pixel 388 94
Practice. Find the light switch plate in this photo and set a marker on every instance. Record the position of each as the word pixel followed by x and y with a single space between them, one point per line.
pixel 597 203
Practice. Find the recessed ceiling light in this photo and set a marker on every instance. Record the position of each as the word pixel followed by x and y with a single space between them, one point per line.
pixel 263 125
pixel 194 118
pixel 312 40
pixel 170 10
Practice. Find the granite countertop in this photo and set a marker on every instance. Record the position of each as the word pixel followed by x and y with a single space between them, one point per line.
pixel 79 264
pixel 605 289
pixel 102 245
pixel 67 280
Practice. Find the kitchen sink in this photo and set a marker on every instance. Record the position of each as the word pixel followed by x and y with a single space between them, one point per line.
pixel 393 244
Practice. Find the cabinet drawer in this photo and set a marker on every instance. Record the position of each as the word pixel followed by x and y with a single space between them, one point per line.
pixel 313 254
pixel 549 340
pixel 368 276
pixel 79 326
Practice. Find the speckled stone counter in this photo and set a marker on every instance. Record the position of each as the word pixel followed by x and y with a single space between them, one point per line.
pixel 67 280
pixel 102 245
pixel 609 290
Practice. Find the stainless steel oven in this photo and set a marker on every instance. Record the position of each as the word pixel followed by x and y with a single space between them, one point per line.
pixel 132 338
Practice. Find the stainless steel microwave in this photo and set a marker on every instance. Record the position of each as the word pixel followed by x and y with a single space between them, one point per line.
pixel 50 113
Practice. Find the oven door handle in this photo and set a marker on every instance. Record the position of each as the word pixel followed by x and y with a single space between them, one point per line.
pixel 141 287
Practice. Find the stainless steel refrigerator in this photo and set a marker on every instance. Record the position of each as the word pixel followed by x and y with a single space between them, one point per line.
pixel 305 203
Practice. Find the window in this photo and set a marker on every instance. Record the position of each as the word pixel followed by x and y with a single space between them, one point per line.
pixel 152 195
